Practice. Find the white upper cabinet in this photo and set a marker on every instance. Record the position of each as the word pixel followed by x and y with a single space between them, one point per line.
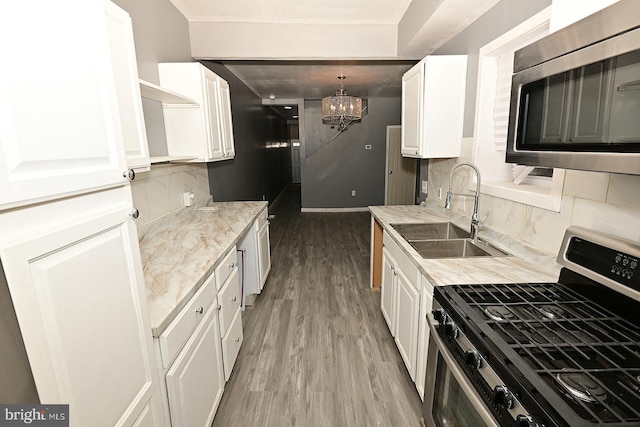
pixel 433 107
pixel 203 130
pixel 125 70
pixel 60 131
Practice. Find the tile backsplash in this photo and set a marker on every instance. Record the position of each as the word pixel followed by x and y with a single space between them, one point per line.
pixel 600 201
pixel 158 193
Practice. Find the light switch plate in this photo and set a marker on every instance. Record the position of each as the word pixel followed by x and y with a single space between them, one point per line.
pixel 424 187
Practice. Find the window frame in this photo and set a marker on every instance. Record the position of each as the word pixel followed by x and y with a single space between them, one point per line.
pixel 487 155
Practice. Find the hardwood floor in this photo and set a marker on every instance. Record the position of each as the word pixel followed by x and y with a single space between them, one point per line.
pixel 317 351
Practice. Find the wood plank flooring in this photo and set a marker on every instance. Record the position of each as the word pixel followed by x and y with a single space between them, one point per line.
pixel 317 351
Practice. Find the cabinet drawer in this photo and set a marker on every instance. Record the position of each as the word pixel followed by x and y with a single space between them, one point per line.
pixel 174 337
pixel 226 266
pixel 228 301
pixel 231 344
pixel 262 218
pixel 402 261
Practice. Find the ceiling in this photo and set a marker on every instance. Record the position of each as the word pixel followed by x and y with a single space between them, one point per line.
pixel 278 81
pixel 294 11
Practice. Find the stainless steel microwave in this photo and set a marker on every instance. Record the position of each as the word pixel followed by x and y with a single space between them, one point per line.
pixel 575 95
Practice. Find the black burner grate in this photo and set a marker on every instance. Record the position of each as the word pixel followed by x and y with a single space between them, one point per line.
pixel 567 340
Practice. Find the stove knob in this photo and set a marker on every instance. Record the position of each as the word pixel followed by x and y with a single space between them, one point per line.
pixel 472 358
pixel 525 421
pixel 452 330
pixel 503 397
pixel 440 315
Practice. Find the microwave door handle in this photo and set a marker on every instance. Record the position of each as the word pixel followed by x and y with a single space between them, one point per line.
pixel 634 85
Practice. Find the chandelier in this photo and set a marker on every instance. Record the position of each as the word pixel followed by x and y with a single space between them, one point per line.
pixel 341 109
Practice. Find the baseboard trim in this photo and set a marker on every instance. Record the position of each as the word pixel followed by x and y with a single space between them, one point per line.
pixel 334 210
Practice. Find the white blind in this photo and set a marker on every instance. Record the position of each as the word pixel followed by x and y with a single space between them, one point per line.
pixel 504 73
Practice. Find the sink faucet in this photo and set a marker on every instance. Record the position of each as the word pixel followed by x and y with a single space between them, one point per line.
pixel 475 222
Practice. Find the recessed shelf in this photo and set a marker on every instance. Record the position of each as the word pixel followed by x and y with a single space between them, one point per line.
pixel 155 92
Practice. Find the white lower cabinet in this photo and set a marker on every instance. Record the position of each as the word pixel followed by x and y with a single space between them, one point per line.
pixel 195 381
pixel 405 299
pixel 74 271
pixel 426 303
pixel 407 309
pixel 388 290
pixel 256 251
pixel 230 317
pixel 198 349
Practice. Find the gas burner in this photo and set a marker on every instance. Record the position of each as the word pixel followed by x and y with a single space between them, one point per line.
pixel 551 311
pixel 581 387
pixel 499 313
pixel 560 336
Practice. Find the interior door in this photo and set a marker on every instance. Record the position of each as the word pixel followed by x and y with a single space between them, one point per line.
pixel 401 171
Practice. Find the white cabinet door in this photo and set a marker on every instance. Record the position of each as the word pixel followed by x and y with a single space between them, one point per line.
pixel 60 130
pixel 215 143
pixel 77 287
pixel 125 68
pixel 264 253
pixel 433 96
pixel 195 381
pixel 388 290
pixel 407 309
pixel 226 123
pixel 204 131
pixel 426 303
pixel 412 110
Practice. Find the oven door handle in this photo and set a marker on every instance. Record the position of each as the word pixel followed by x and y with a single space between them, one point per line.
pixel 460 376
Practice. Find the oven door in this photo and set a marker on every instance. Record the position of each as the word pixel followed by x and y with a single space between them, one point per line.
pixel 449 398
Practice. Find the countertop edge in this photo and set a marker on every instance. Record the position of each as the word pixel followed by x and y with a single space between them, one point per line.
pixel 161 326
pixel 525 256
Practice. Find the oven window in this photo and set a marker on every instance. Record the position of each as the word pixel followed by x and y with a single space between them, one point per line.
pixel 590 108
pixel 451 407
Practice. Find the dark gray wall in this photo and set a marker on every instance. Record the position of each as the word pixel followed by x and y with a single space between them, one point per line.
pixel 331 171
pixel 256 171
pixel 496 21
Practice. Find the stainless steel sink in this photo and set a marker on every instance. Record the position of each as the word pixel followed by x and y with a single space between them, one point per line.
pixel 430 231
pixel 454 248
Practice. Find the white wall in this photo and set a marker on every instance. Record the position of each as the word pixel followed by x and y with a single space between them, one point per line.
pixel 158 193
pixel 599 201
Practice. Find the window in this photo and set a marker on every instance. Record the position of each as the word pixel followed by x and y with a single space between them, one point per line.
pixel 530 185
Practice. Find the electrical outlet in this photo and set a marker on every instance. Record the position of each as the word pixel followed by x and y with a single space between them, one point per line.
pixel 353 193
pixel 440 193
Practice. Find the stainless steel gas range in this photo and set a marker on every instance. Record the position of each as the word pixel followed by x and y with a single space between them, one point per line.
pixel 541 354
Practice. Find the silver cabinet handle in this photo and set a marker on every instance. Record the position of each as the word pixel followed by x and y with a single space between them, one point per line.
pixel 237 339
pixel 234 299
pixel 233 264
pixel 393 268
pixel 135 213
pixel 129 174
pixel 200 310
pixel 219 307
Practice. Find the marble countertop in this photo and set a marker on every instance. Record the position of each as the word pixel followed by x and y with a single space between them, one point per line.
pixel 181 251
pixel 526 264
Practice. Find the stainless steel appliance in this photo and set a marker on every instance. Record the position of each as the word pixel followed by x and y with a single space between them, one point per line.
pixel 575 97
pixel 541 354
